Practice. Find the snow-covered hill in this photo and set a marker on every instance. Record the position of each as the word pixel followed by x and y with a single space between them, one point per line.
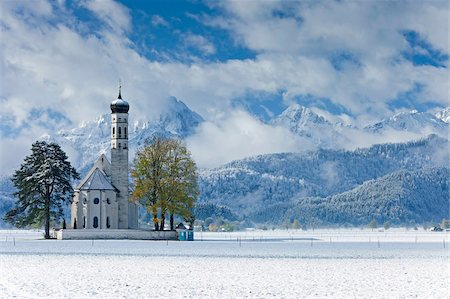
pixel 402 197
pixel 253 184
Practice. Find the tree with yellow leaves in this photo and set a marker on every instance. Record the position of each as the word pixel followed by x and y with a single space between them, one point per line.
pixel 165 181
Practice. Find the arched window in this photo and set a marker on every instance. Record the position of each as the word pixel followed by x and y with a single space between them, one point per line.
pixel 125 132
pixel 108 225
pixel 114 131
pixel 96 201
pixel 95 225
pixel 84 221
pixel 120 132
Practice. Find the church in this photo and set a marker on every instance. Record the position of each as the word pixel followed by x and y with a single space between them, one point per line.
pixel 102 199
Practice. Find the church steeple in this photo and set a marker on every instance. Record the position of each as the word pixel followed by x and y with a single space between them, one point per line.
pixel 120 105
pixel 119 158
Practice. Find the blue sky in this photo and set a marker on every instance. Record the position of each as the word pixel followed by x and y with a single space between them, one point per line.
pixel 355 60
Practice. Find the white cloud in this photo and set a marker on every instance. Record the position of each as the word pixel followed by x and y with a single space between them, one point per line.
pixel 158 20
pixel 306 34
pixel 52 65
pixel 114 14
pixel 199 42
pixel 237 136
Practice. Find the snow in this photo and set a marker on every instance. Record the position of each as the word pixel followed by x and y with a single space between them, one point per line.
pixel 255 264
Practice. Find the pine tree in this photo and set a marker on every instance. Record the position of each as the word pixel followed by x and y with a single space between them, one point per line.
pixel 43 185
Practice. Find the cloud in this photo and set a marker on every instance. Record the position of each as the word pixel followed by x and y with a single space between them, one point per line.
pixel 199 42
pixel 158 20
pixel 371 32
pixel 53 60
pixel 239 135
pixel 116 15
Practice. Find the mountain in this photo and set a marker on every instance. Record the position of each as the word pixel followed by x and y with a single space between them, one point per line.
pixel 251 184
pixel 411 121
pixel 402 197
pixel 304 122
pixel 444 115
pixel 85 143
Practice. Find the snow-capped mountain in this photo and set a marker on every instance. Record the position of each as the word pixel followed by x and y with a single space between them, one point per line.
pixel 86 142
pixel 304 122
pixel 411 121
pixel 444 115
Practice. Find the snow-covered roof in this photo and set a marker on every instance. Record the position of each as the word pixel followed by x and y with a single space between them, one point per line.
pixel 97 181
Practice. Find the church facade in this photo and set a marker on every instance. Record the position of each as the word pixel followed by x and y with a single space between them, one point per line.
pixel 102 198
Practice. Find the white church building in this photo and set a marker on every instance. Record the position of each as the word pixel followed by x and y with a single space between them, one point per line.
pixel 102 199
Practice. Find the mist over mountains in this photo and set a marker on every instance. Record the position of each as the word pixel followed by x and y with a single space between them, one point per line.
pixel 329 180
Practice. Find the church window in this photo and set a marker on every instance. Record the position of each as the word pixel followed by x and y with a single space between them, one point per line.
pixel 84 221
pixel 108 201
pixel 114 131
pixel 120 132
pixel 108 225
pixel 125 132
pixel 96 200
pixel 95 225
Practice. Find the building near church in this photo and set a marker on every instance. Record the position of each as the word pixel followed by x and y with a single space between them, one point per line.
pixel 101 200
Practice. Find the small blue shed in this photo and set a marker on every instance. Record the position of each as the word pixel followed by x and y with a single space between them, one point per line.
pixel 184 234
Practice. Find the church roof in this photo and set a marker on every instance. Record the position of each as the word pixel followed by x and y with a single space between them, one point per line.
pixel 97 181
pixel 120 105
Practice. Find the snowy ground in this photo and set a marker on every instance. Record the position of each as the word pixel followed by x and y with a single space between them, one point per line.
pixel 260 264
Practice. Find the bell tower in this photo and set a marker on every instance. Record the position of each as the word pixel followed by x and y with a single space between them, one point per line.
pixel 119 158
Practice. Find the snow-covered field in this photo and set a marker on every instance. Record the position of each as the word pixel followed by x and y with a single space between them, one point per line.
pixel 261 264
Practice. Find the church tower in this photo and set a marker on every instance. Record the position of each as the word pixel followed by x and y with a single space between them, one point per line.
pixel 119 161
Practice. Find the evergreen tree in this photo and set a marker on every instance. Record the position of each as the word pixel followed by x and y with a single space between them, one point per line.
pixel 373 224
pixel 165 181
pixel 296 224
pixel 43 185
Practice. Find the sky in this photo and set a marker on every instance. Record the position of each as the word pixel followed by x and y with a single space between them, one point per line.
pixel 233 62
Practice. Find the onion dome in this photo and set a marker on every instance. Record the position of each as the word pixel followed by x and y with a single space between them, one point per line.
pixel 119 105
